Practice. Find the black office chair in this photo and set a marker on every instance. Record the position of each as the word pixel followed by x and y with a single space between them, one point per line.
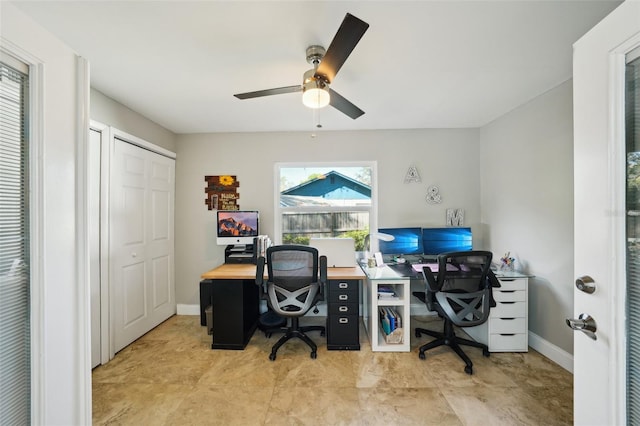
pixel 293 288
pixel 462 295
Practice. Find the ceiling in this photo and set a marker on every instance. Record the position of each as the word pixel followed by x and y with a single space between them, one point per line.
pixel 421 64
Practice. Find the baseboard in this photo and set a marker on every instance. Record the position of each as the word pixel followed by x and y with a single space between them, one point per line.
pixel 420 309
pixel 551 351
pixel 182 309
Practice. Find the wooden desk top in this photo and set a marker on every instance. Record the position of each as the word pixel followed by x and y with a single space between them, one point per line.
pixel 247 271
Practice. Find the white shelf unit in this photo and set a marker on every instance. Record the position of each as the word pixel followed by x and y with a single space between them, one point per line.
pixel 507 329
pixel 384 276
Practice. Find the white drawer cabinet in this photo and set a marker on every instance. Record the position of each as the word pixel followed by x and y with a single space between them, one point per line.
pixel 508 325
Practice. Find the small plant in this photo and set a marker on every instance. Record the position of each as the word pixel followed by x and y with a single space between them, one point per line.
pixel 358 236
pixel 295 239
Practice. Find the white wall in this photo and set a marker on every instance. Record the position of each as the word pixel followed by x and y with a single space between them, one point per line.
pixel 527 204
pixel 447 158
pixel 112 113
pixel 61 398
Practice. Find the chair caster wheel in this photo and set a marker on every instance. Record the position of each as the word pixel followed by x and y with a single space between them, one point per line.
pixel 418 334
pixel 314 355
pixel 322 333
pixel 468 369
pixel 485 352
pixel 422 356
pixel 272 357
pixel 267 335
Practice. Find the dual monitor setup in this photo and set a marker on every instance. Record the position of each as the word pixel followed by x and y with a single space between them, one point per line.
pixel 424 241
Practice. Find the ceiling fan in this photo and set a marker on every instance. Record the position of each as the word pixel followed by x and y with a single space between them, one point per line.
pixel 315 89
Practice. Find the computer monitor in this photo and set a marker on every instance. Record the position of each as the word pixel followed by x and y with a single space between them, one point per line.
pixel 441 240
pixel 405 241
pixel 237 226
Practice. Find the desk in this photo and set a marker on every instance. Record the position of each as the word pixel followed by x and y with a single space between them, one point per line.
pixel 235 298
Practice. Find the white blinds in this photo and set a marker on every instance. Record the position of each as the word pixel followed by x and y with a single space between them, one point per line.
pixel 633 240
pixel 14 250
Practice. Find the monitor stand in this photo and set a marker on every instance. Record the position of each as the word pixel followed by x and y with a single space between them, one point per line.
pixel 239 253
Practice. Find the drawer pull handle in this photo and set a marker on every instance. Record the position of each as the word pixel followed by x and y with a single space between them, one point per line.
pixel 507 279
pixel 507 319
pixel 343 285
pixel 507 291
pixel 343 308
pixel 343 297
pixel 343 320
pixel 507 334
pixel 507 303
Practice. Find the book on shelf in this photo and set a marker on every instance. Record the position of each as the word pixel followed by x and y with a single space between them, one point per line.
pixel 389 319
pixel 391 325
pixel 386 292
pixel 392 318
pixel 384 321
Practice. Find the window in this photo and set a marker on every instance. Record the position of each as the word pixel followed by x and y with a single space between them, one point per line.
pixel 325 200
pixel 15 357
pixel 633 235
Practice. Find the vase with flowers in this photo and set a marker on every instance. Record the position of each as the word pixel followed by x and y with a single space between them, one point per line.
pixel 507 263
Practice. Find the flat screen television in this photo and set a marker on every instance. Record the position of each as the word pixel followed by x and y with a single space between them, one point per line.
pixel 405 241
pixel 237 227
pixel 441 240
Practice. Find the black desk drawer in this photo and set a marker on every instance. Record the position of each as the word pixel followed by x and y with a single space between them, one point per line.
pixel 343 332
pixel 342 298
pixel 343 285
pixel 341 309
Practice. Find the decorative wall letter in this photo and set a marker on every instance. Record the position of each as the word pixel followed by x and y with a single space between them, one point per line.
pixel 433 195
pixel 222 192
pixel 455 217
pixel 412 175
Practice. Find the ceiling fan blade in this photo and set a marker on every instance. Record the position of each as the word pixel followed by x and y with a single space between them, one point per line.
pixel 341 103
pixel 269 92
pixel 349 34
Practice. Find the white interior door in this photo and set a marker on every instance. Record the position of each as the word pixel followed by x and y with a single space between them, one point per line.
pixel 600 396
pixel 142 240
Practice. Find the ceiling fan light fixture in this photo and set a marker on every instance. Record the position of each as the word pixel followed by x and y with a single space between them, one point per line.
pixel 315 94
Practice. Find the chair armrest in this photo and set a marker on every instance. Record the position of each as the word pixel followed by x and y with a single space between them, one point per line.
pixel 493 283
pixel 493 280
pixel 260 274
pixel 323 275
pixel 429 279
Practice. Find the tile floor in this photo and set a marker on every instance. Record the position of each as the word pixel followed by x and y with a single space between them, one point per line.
pixel 170 376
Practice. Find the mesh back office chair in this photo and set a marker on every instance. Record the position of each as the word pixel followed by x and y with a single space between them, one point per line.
pixel 461 294
pixel 292 288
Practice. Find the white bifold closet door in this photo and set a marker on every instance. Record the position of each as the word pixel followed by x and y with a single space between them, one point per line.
pixel 141 222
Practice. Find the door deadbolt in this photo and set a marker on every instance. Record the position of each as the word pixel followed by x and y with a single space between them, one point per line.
pixel 586 284
pixel 584 323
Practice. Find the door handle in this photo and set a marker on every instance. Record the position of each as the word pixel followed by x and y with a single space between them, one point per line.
pixel 584 323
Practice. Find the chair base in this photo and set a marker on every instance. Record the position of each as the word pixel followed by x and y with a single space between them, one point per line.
pixel 298 332
pixel 270 322
pixel 449 338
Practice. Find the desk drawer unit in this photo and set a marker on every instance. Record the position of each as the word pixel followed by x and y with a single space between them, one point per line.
pixel 343 299
pixel 507 328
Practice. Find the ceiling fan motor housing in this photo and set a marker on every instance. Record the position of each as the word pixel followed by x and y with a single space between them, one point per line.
pixel 315 54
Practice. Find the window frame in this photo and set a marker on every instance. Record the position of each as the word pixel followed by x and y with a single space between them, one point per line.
pixel 279 210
